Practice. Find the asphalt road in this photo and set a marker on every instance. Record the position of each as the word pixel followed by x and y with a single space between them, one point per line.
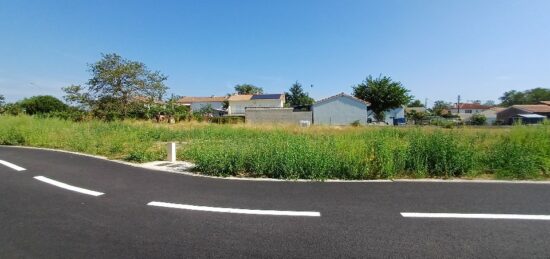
pixel 41 220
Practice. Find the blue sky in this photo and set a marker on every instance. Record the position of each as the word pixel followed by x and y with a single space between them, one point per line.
pixel 437 49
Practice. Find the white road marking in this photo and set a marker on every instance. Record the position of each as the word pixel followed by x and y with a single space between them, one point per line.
pixel 12 166
pixel 67 187
pixel 239 211
pixel 474 216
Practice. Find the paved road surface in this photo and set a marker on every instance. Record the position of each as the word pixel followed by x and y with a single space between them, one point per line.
pixel 40 219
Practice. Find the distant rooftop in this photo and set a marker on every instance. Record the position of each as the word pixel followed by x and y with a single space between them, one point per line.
pixel 471 106
pixel 191 99
pixel 246 97
pixel 534 108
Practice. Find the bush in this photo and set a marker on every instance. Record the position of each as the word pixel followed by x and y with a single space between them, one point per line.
pixel 42 104
pixel 478 119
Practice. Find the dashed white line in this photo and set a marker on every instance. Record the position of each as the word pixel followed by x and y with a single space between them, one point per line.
pixel 12 166
pixel 238 211
pixel 474 216
pixel 67 187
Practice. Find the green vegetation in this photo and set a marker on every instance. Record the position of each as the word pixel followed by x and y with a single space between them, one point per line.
pixel 532 96
pixel 519 152
pixel 248 89
pixel 297 97
pixel 382 93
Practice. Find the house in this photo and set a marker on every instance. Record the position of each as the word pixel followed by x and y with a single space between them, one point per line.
pixel 239 103
pixel 518 112
pixel 491 115
pixel 394 116
pixel 277 116
pixel 195 104
pixel 415 109
pixel 341 109
pixel 466 110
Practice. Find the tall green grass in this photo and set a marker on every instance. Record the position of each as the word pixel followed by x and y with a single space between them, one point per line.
pixel 519 152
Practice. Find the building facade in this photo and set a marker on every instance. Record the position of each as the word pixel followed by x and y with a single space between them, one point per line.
pixel 341 109
pixel 239 103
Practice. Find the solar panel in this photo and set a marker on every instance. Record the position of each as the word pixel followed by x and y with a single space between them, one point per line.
pixel 265 96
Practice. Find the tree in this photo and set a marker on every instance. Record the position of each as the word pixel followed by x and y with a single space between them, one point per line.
pixel 296 96
pixel 383 93
pixel 248 89
pixel 115 83
pixel 532 96
pixel 441 108
pixel 478 119
pixel 416 103
pixel 2 104
pixel 42 104
pixel 489 103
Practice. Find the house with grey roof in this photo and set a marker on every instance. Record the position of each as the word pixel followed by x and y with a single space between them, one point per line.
pixel 340 109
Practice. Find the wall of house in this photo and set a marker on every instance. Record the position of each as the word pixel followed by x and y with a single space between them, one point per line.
pixel 199 105
pixel 238 107
pixel 389 115
pixel 339 111
pixel 463 111
pixel 276 116
pixel 506 115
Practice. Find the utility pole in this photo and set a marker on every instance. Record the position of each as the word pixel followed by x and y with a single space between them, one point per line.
pixel 426 103
pixel 458 105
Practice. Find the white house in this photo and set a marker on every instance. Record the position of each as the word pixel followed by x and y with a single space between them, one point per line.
pixel 466 110
pixel 239 103
pixel 341 109
pixel 197 103
pixel 392 116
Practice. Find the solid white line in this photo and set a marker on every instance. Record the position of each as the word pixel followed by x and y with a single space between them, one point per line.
pixel 12 166
pixel 67 187
pixel 474 216
pixel 239 211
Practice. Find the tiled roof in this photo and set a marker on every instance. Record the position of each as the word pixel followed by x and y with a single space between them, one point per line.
pixel 472 106
pixel 246 97
pixel 191 99
pixel 533 107
pixel 545 102
pixel 340 95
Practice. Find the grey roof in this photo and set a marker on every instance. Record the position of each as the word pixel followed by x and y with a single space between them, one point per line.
pixel 341 95
pixel 265 96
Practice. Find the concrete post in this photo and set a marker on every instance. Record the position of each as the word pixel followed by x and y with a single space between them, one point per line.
pixel 171 152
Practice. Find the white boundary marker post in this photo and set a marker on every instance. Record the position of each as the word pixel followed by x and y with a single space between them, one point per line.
pixel 171 152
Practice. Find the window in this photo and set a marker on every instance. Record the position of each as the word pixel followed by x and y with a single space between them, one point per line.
pixel 468 111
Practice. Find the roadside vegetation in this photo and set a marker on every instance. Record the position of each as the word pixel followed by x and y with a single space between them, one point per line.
pixel 519 152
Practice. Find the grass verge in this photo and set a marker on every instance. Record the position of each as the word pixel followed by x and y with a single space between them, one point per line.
pixel 519 152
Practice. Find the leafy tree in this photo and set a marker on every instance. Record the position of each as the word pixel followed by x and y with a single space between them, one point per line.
pixel 115 83
pixel 416 103
pixel 2 100
pixel 531 96
pixel 416 116
pixel 478 119
pixel 440 107
pixel 489 103
pixel 383 93
pixel 248 89
pixel 296 96
pixel 42 104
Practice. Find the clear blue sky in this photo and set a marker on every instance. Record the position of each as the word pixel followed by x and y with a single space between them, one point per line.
pixel 437 49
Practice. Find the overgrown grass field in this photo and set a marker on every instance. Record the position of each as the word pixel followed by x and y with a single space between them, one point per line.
pixel 519 152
